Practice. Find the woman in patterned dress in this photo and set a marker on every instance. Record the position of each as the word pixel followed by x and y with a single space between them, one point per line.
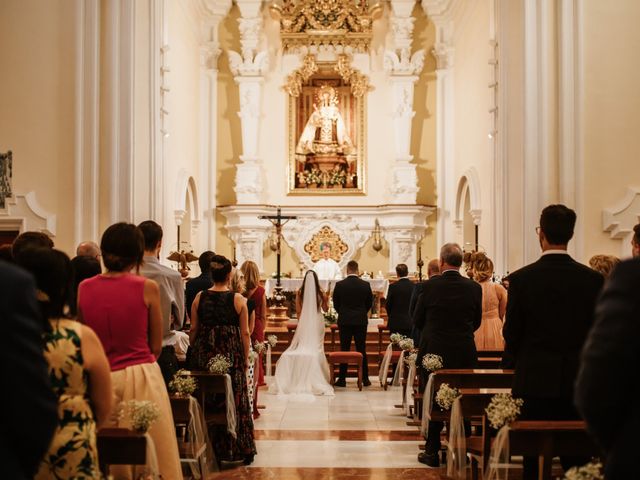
pixel 220 325
pixel 78 369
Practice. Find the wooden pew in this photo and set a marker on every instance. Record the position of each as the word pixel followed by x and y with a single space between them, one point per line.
pixel 191 452
pixel 209 384
pixel 547 439
pixel 120 446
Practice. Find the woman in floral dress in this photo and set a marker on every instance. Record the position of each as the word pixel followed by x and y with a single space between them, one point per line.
pixel 220 326
pixel 79 373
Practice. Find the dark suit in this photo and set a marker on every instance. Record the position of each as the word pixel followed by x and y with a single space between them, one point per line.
pixel 398 299
pixel 195 286
pixel 29 408
pixel 606 391
pixel 549 312
pixel 352 299
pixel 449 310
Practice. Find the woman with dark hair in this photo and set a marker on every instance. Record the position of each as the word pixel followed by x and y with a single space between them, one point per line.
pixel 83 267
pixel 302 369
pixel 220 326
pixel 78 369
pixel 124 310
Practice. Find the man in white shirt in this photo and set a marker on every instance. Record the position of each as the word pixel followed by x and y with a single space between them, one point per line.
pixel 327 268
pixel 174 342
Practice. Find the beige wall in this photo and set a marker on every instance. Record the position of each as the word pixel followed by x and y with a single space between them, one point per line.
pixel 37 104
pixel 611 115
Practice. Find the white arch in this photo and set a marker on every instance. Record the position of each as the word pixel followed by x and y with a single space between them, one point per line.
pixel 186 185
pixel 469 180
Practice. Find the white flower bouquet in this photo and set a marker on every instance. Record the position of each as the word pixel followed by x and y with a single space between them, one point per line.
pixel 272 340
pixel 432 362
pixel 253 355
pixel 259 347
pixel 141 414
pixel 182 384
pixel 446 395
pixel 411 358
pixel 396 337
pixel 406 343
pixel 503 409
pixel 219 365
pixel 330 316
pixel 590 471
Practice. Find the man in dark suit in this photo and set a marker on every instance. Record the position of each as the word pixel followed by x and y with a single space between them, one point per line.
pixel 29 409
pixel 352 299
pixel 449 310
pixel 606 393
pixel 398 298
pixel 549 312
pixel 199 283
pixel 433 270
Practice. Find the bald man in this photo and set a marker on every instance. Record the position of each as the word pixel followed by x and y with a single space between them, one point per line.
pixel 88 249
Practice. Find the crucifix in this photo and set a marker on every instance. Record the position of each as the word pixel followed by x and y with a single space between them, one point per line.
pixel 277 221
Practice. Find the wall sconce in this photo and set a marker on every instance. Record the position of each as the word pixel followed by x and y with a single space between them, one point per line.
pixel 377 237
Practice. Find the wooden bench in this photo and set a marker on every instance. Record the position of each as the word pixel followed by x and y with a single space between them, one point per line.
pixel 191 452
pixel 335 359
pixel 209 384
pixel 120 446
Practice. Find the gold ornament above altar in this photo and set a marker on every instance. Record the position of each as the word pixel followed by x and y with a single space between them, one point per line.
pixel 305 23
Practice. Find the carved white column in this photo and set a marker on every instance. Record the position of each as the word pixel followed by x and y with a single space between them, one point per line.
pixel 403 241
pixel 213 12
pixel 403 69
pixel 249 243
pixel 248 68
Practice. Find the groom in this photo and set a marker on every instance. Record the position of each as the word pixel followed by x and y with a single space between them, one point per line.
pixel 352 299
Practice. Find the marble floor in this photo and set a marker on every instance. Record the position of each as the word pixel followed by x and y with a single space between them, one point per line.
pixel 352 435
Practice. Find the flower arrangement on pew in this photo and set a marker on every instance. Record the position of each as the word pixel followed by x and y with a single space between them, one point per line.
pixel 253 356
pixel 411 358
pixel 272 340
pixel 140 413
pixel 219 365
pixel 182 385
pixel 446 396
pixel 432 362
pixel 259 347
pixel 406 343
pixel 395 338
pixel 503 409
pixel 590 471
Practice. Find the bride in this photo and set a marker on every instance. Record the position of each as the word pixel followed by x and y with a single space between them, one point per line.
pixel 303 368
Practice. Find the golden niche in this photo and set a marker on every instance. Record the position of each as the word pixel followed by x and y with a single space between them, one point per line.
pixel 322 236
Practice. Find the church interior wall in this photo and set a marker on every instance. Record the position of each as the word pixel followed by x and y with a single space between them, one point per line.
pixel 37 104
pixel 610 116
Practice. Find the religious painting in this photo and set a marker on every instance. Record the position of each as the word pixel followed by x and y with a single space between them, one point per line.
pixel 6 168
pixel 327 144
pixel 325 236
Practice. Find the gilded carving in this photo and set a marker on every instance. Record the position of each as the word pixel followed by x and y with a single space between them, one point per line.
pixel 359 82
pixel 322 236
pixel 294 81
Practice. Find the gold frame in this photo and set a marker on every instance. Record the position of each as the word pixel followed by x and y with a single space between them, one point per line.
pixel 360 141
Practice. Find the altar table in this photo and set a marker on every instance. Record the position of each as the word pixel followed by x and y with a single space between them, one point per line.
pixel 378 285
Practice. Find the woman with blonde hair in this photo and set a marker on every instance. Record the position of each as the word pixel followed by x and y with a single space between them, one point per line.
pixel 254 291
pixel 604 264
pixel 494 303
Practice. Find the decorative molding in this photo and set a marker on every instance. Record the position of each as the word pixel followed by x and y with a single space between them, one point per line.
pixel 620 219
pixel 24 212
pixel 471 180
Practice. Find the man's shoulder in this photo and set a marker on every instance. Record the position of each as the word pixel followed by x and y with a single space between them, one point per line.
pixel 628 270
pixel 10 275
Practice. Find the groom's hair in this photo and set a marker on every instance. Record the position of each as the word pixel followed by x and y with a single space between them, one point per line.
pixel 352 266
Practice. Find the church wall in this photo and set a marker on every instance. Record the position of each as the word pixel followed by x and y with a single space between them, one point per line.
pixel 611 115
pixel 37 104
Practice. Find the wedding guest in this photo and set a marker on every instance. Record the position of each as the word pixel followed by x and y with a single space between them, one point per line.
pixel 449 311
pixel 433 270
pixel 605 394
pixel 174 342
pixel 83 268
pixel 5 253
pixel 635 241
pixel 352 299
pixel 604 264
pixel 88 249
pixel 398 301
pixel 549 312
pixel 256 292
pixel 220 326
pixel 199 283
pixel 78 369
pixel 494 304
pixel 124 310
pixel 29 240
pixel 28 416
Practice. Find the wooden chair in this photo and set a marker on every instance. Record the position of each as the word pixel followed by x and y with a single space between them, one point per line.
pixel 120 446
pixel 209 384
pixel 334 329
pixel 350 358
pixel 382 342
pixel 191 452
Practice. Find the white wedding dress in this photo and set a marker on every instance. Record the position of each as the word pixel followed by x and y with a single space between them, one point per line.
pixel 303 369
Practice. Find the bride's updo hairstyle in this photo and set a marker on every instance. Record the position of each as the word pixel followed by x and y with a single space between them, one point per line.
pixel 316 284
pixel 220 268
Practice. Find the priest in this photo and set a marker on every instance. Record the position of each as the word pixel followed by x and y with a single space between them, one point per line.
pixel 327 268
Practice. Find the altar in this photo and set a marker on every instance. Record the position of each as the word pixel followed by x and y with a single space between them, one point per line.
pixel 378 285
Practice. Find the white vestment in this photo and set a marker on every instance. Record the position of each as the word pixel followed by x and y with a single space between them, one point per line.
pixel 302 369
pixel 327 269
